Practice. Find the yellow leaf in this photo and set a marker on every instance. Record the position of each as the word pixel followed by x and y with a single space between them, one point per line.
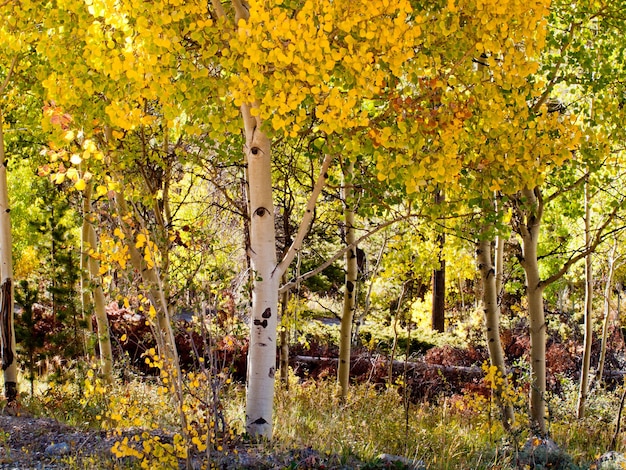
pixel 80 185
pixel 141 240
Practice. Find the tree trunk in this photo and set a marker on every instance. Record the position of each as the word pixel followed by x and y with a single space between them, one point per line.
pixel 588 337
pixel 438 312
pixel 164 334
pixel 499 265
pixel 7 330
pixel 367 303
pixel 607 310
pixel 85 289
pixel 492 327
pixel 349 295
pixel 262 251
pixel 529 229
pixel 284 337
pixel 104 335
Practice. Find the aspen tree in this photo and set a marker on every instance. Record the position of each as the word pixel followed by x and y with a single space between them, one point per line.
pixel 350 286
pixel 99 302
pixel 7 330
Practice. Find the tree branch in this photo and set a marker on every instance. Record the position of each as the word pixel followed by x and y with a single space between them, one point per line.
pixel 219 9
pixel 242 10
pixel 14 62
pixel 341 252
pixel 546 93
pixel 303 229
pixel 598 238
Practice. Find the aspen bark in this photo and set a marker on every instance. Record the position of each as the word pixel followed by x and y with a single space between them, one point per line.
pixel 104 334
pixel 349 295
pixel 284 337
pixel 528 230
pixel 588 336
pixel 499 265
pixel 7 330
pixel 86 302
pixel 607 309
pixel 262 252
pixel 492 326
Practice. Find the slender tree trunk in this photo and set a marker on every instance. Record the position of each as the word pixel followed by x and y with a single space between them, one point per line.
pixel 85 289
pixel 164 334
pixel 7 330
pixel 529 232
pixel 499 265
pixel 607 309
pixel 438 312
pixel 371 274
pixel 349 295
pixel 492 326
pixel 284 337
pixel 104 335
pixel 588 337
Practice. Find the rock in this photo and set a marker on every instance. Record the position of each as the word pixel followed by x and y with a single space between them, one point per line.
pixel 409 463
pixel 62 448
pixel 611 461
pixel 539 453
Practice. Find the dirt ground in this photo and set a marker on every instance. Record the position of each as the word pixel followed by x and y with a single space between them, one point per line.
pixel 27 442
pixel 42 443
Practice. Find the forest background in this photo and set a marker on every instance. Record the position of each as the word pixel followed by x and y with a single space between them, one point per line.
pixel 188 183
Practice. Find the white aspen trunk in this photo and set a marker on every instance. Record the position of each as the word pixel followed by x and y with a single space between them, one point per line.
pixel 262 251
pixel 86 303
pixel 104 334
pixel 588 336
pixel 349 295
pixel 492 326
pixel 529 232
pixel 284 337
pixel 7 330
pixel 537 338
pixel 499 266
pixel 607 310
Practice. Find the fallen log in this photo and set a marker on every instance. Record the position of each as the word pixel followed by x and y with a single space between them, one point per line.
pixel 470 372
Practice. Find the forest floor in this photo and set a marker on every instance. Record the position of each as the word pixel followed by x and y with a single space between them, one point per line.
pixel 42 443
pixel 28 442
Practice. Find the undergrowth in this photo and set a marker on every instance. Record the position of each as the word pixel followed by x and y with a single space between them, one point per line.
pixel 449 433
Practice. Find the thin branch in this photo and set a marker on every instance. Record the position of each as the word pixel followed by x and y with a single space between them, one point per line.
pixel 306 219
pixel 598 238
pixel 565 189
pixel 546 93
pixel 14 62
pixel 341 252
